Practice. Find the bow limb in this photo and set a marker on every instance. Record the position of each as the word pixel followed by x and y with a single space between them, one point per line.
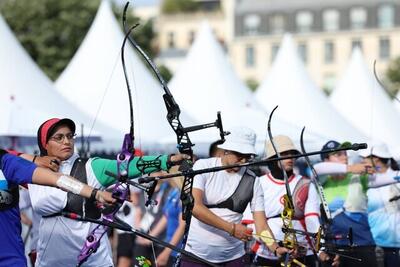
pixel 173 111
pixel 315 179
pixel 290 240
pixel 128 87
pixel 183 140
pixel 118 224
pixel 120 190
pixel 326 214
pixel 324 234
pixel 184 143
pixel 285 177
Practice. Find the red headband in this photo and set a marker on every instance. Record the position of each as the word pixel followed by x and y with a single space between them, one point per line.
pixel 45 128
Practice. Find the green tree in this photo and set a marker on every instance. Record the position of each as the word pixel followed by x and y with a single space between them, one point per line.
pixel 51 31
pixel 393 74
pixel 165 73
pixel 252 84
pixel 143 34
pixel 177 6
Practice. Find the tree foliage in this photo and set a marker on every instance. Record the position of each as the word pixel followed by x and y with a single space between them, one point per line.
pixel 177 6
pixel 393 73
pixel 52 30
pixel 252 84
pixel 165 73
pixel 143 34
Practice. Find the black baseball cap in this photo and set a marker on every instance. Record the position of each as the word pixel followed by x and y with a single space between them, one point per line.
pixel 332 144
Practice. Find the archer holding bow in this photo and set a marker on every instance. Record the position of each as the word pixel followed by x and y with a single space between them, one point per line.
pixel 61 238
pixel 216 233
pixel 305 201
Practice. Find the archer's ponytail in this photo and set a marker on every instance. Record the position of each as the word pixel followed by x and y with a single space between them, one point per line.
pixel 394 165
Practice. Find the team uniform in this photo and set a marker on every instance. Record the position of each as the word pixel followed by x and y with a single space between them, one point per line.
pixel 13 172
pixel 347 201
pixel 274 190
pixel 61 239
pixel 384 216
pixel 205 240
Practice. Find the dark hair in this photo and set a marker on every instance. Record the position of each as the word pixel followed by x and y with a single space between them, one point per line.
pixel 393 163
pixel 275 169
pixel 48 128
pixel 213 147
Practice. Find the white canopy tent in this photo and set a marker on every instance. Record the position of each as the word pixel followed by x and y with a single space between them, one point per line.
pixel 28 96
pixel 94 80
pixel 396 102
pixel 360 98
pixel 300 102
pixel 206 83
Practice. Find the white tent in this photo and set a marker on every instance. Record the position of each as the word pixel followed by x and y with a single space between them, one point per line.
pixel 360 98
pixel 206 83
pixel 300 101
pixel 28 96
pixel 396 102
pixel 206 79
pixel 94 80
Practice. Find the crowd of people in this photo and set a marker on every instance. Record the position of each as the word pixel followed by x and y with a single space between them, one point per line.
pixel 242 216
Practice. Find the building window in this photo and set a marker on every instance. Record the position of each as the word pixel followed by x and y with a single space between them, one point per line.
pixel 250 56
pixel 171 40
pixel 274 51
pixel 386 16
pixel 331 19
pixel 329 52
pixel 356 43
pixel 384 48
pixel 304 21
pixel 302 51
pixel 277 23
pixel 191 37
pixel 358 18
pixel 251 24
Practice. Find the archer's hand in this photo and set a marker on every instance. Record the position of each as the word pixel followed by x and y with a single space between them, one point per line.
pixel 280 251
pixel 48 162
pixel 325 257
pixel 361 168
pixel 242 232
pixel 105 197
pixel 178 158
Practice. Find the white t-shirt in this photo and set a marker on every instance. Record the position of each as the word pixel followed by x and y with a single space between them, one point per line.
pixel 205 240
pixel 26 205
pixel 274 190
pixel 61 239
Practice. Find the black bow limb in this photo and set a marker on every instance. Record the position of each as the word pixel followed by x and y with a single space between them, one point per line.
pixel 119 224
pixel 184 143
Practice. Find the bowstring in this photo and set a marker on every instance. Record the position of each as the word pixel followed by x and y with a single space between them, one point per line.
pixel 105 91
